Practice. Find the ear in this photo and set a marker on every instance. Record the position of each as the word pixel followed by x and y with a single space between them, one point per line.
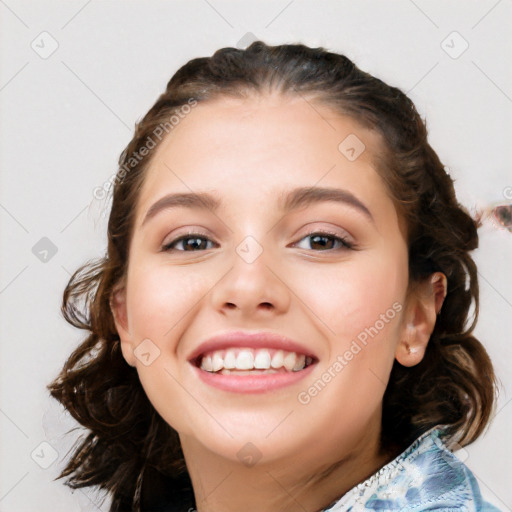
pixel 120 314
pixel 420 319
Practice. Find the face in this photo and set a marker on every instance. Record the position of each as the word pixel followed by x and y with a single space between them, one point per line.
pixel 320 273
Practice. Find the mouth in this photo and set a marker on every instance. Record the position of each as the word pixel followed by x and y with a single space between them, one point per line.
pixel 249 361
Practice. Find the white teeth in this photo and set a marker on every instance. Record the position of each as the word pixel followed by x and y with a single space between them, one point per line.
pixel 206 364
pixel 217 362
pixel 245 360
pixel 277 360
pixel 262 360
pixel 229 360
pixel 257 361
pixel 289 361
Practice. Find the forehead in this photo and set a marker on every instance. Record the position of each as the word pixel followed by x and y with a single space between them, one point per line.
pixel 270 122
pixel 263 143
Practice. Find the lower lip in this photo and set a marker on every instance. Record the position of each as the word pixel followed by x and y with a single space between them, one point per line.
pixel 261 383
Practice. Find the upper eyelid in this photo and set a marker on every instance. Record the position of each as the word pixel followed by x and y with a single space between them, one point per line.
pixel 346 241
pixel 191 234
pixel 343 235
pixel 324 231
pixel 327 230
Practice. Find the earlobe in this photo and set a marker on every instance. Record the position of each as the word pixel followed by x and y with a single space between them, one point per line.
pixel 411 348
pixel 420 319
pixel 120 314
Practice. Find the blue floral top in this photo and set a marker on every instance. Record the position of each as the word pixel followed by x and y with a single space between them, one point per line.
pixel 426 476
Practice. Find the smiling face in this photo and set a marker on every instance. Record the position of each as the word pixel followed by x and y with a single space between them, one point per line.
pixel 289 237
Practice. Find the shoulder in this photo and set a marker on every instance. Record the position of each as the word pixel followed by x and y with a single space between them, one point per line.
pixel 426 476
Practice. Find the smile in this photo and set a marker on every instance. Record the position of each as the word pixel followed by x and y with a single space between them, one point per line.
pixel 249 361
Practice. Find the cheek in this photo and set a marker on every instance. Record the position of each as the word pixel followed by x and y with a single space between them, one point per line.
pixel 160 296
pixel 160 299
pixel 349 298
pixel 361 306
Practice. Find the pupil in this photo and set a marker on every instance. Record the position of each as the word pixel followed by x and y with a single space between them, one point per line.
pixel 316 238
pixel 194 244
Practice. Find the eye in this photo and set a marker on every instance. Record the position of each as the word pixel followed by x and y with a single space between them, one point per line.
pixel 191 242
pixel 326 241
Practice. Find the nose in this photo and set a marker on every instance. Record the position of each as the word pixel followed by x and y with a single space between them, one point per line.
pixel 252 289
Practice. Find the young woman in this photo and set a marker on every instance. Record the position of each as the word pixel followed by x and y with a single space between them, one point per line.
pixel 280 322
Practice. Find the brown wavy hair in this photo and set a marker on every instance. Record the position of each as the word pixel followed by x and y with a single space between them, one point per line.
pixel 129 450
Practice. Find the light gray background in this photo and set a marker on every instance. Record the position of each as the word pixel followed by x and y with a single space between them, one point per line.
pixel 65 119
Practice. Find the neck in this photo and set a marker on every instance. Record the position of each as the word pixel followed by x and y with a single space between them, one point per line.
pixel 308 481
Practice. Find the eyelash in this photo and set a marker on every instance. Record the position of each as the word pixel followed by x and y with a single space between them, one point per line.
pixel 345 244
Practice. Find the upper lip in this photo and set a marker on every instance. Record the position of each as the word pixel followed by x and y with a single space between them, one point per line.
pixel 255 339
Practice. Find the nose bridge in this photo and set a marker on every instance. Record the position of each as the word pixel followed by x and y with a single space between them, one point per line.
pixel 252 283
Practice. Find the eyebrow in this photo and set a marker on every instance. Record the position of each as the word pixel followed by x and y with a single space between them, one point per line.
pixel 293 200
pixel 304 196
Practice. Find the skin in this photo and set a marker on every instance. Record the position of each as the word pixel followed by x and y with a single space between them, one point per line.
pixel 248 152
